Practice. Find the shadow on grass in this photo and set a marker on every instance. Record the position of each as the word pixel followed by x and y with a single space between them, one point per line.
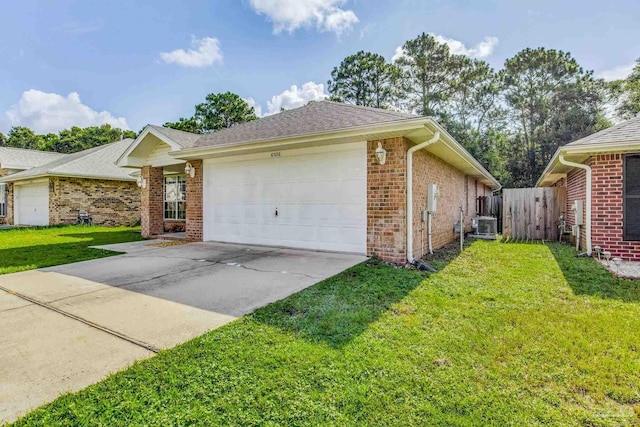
pixel 587 277
pixel 50 253
pixel 338 309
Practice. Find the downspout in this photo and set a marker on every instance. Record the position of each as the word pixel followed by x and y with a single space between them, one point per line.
pixel 435 138
pixel 587 169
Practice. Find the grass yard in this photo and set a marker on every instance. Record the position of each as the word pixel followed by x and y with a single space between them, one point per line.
pixel 504 334
pixel 28 248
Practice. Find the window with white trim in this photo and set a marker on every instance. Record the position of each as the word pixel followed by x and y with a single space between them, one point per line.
pixel 4 189
pixel 175 192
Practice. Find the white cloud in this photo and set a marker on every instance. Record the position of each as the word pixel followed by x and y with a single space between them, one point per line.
pixel 616 73
pixel 481 50
pixel 252 103
pixel 45 112
pixel 296 97
pixel 399 53
pixel 289 15
pixel 205 52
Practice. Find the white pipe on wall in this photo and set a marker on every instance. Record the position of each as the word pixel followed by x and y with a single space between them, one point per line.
pixel 435 138
pixel 429 220
pixel 587 169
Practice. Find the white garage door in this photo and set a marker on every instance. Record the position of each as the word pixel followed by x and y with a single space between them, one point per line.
pixel 32 204
pixel 312 198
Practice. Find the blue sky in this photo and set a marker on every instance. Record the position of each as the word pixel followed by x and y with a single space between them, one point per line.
pixel 128 63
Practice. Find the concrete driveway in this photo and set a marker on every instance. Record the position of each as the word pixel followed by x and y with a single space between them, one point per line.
pixel 66 327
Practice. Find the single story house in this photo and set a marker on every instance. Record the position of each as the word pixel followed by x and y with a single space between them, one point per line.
pixel 13 160
pixel 53 192
pixel 326 176
pixel 602 173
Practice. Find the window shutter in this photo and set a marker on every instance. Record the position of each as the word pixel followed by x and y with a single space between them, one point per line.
pixel 632 197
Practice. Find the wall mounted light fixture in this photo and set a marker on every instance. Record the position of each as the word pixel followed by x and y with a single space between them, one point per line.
pixel 142 183
pixel 381 154
pixel 190 170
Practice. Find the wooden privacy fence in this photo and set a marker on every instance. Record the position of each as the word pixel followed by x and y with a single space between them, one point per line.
pixel 533 213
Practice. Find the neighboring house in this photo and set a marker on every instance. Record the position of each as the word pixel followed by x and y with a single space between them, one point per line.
pixel 311 178
pixel 603 170
pixel 53 192
pixel 14 160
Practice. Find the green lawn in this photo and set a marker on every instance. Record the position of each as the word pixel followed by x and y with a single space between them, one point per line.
pixel 28 248
pixel 504 334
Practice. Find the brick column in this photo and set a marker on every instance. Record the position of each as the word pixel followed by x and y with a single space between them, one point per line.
pixel 387 201
pixel 194 203
pixel 151 207
pixel 9 218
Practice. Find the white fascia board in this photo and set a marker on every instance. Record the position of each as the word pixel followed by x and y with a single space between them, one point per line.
pixel 20 180
pixel 588 149
pixel 124 161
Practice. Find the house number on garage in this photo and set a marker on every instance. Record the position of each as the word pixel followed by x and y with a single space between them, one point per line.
pixel 275 154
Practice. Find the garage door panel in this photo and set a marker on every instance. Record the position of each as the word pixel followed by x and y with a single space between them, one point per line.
pixel 320 198
pixel 32 204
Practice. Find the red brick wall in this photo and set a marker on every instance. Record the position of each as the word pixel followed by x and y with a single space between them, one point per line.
pixel 576 190
pixel 110 203
pixel 194 203
pixel 456 190
pixel 607 203
pixel 152 201
pixel 386 200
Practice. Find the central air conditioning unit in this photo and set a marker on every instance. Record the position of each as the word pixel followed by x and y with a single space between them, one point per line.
pixel 486 227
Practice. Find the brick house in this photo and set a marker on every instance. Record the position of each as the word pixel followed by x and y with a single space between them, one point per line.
pixel 603 171
pixel 14 160
pixel 52 192
pixel 326 176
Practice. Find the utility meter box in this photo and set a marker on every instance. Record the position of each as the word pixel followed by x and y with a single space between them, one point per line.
pixel 578 209
pixel 432 197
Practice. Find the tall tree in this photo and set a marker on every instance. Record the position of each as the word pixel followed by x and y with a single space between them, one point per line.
pixel 218 111
pixel 22 137
pixel 552 101
pixel 627 92
pixel 187 125
pixel 364 79
pixel 67 140
pixel 429 72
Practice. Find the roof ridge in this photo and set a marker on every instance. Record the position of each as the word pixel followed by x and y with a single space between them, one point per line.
pixel 172 129
pixel 373 109
pixel 86 152
pixel 607 131
pixel 32 150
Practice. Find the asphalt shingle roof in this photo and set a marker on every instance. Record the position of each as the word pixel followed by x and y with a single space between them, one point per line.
pixel 19 157
pixel 320 116
pixel 627 131
pixel 97 162
pixel 185 139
